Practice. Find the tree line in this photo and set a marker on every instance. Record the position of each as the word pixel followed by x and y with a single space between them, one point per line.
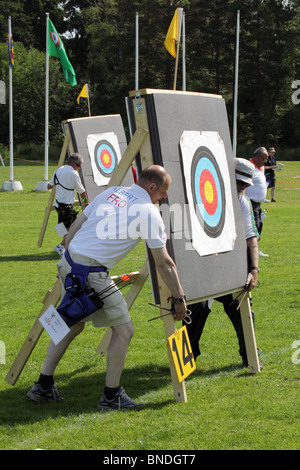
pixel 99 38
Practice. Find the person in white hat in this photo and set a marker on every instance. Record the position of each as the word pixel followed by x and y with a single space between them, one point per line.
pixel 244 171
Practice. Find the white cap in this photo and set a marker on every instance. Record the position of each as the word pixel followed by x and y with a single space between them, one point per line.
pixel 244 170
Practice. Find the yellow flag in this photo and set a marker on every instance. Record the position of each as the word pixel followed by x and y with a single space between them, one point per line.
pixel 83 93
pixel 173 32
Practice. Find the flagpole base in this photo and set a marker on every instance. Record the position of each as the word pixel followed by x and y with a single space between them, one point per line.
pixel 11 186
pixel 42 186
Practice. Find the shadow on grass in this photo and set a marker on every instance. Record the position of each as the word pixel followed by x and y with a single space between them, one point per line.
pixel 36 257
pixel 81 394
pixel 229 369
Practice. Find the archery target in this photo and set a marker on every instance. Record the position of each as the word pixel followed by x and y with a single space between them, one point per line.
pixel 105 158
pixel 104 154
pixel 208 192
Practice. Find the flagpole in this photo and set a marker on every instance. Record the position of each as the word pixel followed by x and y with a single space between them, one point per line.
pixel 11 185
pixel 183 53
pixel 47 102
pixel 136 51
pixel 177 53
pixel 42 185
pixel 11 136
pixel 235 97
pixel 88 98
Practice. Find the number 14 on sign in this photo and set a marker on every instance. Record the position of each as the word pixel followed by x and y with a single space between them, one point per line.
pixel 182 354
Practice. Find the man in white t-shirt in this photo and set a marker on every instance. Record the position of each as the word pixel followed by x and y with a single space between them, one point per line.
pixel 107 230
pixel 66 181
pixel 258 191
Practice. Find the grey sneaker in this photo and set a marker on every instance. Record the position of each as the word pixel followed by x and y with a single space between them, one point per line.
pixel 38 394
pixel 121 401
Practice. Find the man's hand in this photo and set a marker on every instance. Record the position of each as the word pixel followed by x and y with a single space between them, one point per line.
pixel 251 280
pixel 180 311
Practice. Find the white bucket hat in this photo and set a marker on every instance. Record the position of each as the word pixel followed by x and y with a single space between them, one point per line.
pixel 244 170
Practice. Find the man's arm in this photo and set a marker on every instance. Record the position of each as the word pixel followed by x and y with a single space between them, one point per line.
pixel 252 245
pixel 168 272
pixel 74 228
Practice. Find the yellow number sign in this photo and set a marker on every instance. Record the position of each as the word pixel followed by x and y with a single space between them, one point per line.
pixel 182 354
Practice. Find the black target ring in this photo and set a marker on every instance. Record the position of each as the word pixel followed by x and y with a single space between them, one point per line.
pixel 208 192
pixel 105 158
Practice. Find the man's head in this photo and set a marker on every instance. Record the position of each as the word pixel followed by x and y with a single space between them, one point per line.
pixel 156 181
pixel 75 160
pixel 243 173
pixel 260 156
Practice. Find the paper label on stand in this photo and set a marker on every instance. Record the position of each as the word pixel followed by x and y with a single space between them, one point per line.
pixel 55 326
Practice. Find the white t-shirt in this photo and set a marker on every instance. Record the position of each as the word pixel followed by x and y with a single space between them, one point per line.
pixel 248 218
pixel 258 191
pixel 69 178
pixel 117 220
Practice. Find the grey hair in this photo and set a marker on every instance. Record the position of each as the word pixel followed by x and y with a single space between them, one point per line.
pixel 76 158
pixel 260 151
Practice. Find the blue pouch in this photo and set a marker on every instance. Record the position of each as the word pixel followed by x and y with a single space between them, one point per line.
pixel 79 301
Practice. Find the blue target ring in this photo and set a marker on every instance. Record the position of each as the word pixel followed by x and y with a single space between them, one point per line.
pixel 105 158
pixel 208 192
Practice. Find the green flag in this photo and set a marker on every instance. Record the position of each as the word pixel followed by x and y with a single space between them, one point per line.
pixel 56 49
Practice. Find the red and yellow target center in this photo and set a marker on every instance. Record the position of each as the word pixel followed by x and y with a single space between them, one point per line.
pixel 106 159
pixel 208 192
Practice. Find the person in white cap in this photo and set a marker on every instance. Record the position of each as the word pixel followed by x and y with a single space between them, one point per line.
pixel 244 171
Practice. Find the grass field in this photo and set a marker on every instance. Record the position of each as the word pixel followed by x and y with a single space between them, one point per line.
pixel 227 407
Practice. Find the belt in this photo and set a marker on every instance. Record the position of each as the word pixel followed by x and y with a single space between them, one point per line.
pixel 92 269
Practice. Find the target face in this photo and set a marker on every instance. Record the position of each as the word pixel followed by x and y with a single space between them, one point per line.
pixel 105 154
pixel 208 192
pixel 105 158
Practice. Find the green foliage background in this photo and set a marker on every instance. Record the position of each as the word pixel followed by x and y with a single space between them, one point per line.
pixel 99 38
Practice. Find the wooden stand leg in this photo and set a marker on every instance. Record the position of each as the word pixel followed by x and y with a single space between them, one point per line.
pixel 51 298
pixel 128 156
pixel 170 328
pixel 249 335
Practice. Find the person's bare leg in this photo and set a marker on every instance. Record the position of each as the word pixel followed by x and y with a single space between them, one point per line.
pixel 272 193
pixel 116 353
pixel 55 353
